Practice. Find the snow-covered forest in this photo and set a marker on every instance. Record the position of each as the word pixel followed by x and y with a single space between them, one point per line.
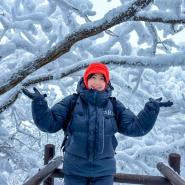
pixel 44 45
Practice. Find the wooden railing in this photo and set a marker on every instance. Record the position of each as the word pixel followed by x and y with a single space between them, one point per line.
pixel 51 171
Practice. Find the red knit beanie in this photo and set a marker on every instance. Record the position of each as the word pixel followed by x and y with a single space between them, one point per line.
pixel 96 68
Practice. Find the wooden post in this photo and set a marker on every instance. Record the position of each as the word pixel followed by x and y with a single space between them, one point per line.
pixel 48 155
pixel 170 174
pixel 174 161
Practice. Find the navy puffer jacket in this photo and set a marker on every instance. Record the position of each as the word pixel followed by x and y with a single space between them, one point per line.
pixel 91 143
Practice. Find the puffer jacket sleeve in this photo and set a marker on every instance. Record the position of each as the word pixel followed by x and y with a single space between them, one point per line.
pixel 131 125
pixel 50 120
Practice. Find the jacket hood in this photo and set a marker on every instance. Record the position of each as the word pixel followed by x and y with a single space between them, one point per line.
pixel 93 96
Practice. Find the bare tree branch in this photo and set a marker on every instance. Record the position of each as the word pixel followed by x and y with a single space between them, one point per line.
pixel 162 43
pixel 175 59
pixel 85 31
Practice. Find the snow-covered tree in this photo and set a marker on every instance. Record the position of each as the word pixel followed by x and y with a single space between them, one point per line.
pixel 44 44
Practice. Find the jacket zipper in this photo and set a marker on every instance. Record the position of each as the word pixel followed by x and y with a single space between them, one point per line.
pixel 103 136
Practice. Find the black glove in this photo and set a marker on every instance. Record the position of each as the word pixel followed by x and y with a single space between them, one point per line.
pixel 158 102
pixel 32 95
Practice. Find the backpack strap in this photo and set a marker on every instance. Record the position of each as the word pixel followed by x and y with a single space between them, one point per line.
pixel 112 99
pixel 114 103
pixel 73 103
pixel 66 128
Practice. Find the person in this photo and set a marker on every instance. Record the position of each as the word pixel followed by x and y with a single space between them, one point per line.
pixel 91 125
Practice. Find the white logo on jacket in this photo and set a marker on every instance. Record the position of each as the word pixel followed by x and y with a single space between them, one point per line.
pixel 109 112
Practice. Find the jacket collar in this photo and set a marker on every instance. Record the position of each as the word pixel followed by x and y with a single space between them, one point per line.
pixel 93 96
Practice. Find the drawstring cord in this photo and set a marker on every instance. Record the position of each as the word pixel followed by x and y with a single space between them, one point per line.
pixel 103 136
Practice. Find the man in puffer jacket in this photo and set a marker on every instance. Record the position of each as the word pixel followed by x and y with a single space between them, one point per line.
pixel 90 147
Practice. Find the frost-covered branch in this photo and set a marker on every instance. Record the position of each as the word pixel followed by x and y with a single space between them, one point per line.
pixel 24 144
pixel 153 32
pixel 67 5
pixel 160 42
pixel 87 30
pixel 147 52
pixel 151 51
pixel 154 16
pixel 158 63
pixel 16 159
pixel 138 81
pixel 45 23
pixel 12 97
pixel 159 16
pixel 24 25
pixel 151 150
